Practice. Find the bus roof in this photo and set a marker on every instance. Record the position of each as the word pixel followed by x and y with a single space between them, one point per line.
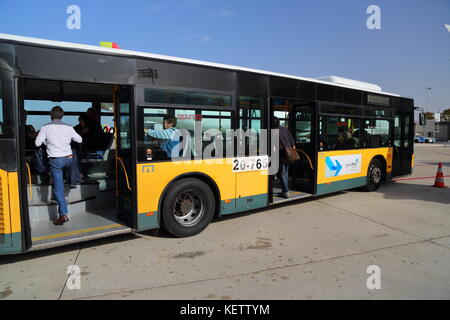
pixel 112 51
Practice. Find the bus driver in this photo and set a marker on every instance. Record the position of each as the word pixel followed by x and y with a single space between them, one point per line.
pixel 169 137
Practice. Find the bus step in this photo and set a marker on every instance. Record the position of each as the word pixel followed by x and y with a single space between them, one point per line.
pixel 43 196
pixel 49 211
pixel 293 195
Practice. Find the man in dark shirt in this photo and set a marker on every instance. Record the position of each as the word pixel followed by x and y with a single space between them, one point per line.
pixel 30 135
pixel 286 141
pixel 93 134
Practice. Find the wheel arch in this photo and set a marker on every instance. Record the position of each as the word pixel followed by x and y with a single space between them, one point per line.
pixel 197 175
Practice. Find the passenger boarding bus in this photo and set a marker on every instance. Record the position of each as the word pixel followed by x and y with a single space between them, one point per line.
pixel 348 134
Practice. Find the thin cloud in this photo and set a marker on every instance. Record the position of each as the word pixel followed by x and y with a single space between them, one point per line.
pixel 220 13
pixel 198 38
pixel 190 3
pixel 154 7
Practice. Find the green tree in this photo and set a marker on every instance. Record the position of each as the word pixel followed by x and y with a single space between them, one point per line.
pixel 446 115
pixel 429 115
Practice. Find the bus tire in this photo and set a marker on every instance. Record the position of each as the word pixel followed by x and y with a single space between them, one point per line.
pixel 374 175
pixel 188 208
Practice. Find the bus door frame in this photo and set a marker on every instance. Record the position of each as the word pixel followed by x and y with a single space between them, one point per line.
pixel 314 138
pixel 127 185
pixel 402 156
pixel 19 133
pixel 22 166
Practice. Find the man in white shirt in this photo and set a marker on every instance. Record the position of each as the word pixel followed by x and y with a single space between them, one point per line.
pixel 57 137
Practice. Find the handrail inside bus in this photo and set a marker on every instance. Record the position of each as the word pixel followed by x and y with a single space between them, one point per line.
pixel 125 171
pixel 309 160
pixel 30 185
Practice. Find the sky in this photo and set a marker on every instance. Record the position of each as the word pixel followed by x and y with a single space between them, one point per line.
pixel 309 38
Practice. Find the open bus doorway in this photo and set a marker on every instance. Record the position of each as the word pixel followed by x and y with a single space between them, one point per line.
pixel 298 117
pixel 93 184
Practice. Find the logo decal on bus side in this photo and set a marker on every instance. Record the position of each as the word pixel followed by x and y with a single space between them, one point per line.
pixel 342 165
pixel 148 169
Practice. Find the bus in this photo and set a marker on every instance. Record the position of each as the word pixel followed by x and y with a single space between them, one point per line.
pixel 127 186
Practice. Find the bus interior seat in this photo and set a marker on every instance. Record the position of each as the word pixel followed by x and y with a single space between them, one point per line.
pixel 375 141
pixel 96 157
pixel 100 166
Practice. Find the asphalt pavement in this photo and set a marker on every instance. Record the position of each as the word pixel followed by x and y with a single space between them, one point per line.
pixel 310 249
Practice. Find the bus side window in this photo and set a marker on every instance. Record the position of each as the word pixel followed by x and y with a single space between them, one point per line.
pixel 378 133
pixel 214 126
pixel 339 133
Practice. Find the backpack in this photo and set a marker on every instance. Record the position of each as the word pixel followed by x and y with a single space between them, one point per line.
pixel 40 160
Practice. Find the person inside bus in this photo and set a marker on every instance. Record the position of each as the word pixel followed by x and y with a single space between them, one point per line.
pixel 344 141
pixel 169 138
pixel 95 141
pixel 286 141
pixel 57 137
pixel 37 156
pixel 82 150
pixel 78 170
pixel 363 141
pixel 356 139
pixel 83 130
pixel 94 138
pixel 30 135
pixel 82 127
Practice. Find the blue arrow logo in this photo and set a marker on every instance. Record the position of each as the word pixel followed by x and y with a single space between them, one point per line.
pixel 333 167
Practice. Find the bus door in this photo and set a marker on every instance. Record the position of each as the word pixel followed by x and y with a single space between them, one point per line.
pixel 302 130
pixel 125 161
pixel 403 144
pixel 10 214
pixel 298 117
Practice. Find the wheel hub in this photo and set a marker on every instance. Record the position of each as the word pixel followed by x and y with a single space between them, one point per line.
pixel 185 205
pixel 188 209
pixel 375 175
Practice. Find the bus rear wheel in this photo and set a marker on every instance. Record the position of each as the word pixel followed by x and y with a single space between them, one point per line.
pixel 374 175
pixel 188 208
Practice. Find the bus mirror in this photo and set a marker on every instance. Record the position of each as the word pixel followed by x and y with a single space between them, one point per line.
pixel 422 119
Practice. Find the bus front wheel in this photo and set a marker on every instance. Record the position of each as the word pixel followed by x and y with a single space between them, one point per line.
pixel 374 175
pixel 188 208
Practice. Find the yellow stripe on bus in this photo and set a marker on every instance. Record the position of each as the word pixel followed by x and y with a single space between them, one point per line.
pixel 71 233
pixel 9 203
pixel 14 201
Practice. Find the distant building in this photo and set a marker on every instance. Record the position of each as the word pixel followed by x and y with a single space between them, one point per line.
pixel 439 131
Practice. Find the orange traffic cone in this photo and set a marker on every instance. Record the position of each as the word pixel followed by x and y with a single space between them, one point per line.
pixel 439 182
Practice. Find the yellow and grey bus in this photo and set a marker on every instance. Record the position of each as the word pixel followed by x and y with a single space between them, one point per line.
pixel 348 134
